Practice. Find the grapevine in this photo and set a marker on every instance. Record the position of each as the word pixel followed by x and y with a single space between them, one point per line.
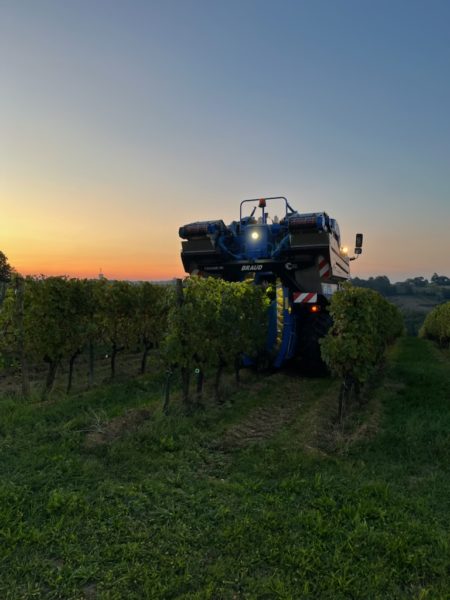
pixel 364 324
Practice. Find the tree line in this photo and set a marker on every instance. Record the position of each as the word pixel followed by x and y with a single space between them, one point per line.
pixel 437 285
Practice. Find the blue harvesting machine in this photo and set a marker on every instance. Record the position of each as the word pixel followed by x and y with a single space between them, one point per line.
pixel 298 258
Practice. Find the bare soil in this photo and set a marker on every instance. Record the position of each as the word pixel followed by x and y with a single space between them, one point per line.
pixel 107 432
pixel 261 424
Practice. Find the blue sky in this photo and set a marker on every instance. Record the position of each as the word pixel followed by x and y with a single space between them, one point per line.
pixel 120 121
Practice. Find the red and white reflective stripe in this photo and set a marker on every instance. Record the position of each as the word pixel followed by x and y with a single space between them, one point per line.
pixel 324 268
pixel 302 297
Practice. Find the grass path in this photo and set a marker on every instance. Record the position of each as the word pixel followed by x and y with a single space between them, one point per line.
pixel 165 511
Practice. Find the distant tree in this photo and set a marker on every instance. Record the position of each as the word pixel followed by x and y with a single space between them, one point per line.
pixel 5 269
pixel 383 285
pixel 357 282
pixel 418 281
pixel 380 284
pixel 6 272
pixel 440 279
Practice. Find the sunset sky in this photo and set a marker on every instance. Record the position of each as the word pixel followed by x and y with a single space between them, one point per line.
pixel 122 120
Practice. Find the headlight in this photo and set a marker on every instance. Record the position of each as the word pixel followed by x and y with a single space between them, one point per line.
pixel 254 235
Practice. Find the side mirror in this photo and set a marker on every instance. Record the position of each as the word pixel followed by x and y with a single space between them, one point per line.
pixel 358 246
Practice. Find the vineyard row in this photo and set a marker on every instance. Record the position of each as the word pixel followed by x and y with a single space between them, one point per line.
pixel 200 326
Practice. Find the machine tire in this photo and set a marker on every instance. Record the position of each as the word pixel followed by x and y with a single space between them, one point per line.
pixel 313 327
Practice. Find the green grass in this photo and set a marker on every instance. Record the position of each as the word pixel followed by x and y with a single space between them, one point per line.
pixel 167 512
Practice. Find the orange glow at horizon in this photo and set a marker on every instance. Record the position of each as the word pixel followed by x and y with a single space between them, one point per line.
pixel 110 271
pixel 34 257
pixel 48 230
